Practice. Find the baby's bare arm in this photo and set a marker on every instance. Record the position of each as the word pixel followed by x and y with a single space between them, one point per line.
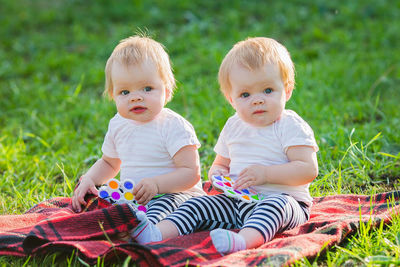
pixel 302 168
pixel 220 166
pixel 186 175
pixel 104 169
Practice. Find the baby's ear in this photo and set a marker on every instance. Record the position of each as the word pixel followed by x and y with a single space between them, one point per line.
pixel 288 95
pixel 230 101
pixel 228 97
pixel 167 95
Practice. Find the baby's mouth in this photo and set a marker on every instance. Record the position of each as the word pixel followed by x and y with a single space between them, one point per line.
pixel 138 109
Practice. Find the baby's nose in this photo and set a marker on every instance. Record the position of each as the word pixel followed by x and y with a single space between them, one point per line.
pixel 136 97
pixel 258 101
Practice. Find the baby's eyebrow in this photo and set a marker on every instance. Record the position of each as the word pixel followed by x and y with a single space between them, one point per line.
pixel 145 83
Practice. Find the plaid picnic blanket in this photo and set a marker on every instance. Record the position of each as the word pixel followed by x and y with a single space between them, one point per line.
pixel 52 226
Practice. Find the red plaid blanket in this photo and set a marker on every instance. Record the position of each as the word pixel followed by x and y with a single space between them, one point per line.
pixel 52 226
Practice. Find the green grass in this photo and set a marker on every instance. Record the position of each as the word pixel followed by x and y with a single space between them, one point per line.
pixel 53 116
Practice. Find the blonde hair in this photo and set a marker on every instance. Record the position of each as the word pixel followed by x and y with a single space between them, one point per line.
pixel 135 49
pixel 252 54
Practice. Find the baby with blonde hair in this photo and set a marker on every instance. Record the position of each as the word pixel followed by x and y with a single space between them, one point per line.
pixel 149 144
pixel 252 54
pixel 263 146
pixel 134 50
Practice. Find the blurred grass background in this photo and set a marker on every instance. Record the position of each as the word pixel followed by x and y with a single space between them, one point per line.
pixel 53 117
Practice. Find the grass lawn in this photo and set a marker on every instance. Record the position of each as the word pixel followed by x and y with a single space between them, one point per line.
pixel 53 117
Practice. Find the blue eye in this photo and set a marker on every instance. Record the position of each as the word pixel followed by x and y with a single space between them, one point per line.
pixel 268 91
pixel 147 89
pixel 244 95
pixel 124 92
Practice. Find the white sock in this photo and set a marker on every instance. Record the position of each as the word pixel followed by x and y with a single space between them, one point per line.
pixel 146 231
pixel 226 241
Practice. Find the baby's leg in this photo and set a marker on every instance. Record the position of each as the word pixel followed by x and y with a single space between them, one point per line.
pixel 205 213
pixel 226 241
pixel 168 229
pixel 201 213
pixel 147 232
pixel 274 214
pixel 161 207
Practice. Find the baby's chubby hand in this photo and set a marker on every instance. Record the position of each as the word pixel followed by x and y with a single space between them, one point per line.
pixel 250 176
pixel 145 190
pixel 216 172
pixel 86 186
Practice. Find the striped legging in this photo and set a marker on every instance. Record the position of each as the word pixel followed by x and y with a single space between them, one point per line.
pixel 161 207
pixel 274 214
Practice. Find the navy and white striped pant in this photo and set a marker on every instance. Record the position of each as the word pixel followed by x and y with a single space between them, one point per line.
pixel 161 207
pixel 274 214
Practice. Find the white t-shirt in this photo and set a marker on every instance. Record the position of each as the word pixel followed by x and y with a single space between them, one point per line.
pixel 246 145
pixel 146 149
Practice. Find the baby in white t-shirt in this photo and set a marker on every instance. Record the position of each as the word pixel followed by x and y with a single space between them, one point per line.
pixel 268 148
pixel 147 143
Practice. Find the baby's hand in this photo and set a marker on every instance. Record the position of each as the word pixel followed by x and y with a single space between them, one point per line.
pixel 218 172
pixel 86 186
pixel 145 190
pixel 252 175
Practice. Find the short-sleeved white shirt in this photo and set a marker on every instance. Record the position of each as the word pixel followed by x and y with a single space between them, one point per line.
pixel 246 145
pixel 147 149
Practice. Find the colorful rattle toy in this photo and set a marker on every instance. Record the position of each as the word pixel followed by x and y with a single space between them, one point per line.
pixel 117 192
pixel 225 183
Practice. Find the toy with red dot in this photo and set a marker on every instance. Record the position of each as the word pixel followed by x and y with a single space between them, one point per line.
pixel 225 183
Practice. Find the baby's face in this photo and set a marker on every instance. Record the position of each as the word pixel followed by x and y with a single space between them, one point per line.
pixel 258 96
pixel 139 92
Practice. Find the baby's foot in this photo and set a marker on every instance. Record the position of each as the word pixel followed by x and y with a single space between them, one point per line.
pixel 226 241
pixel 146 231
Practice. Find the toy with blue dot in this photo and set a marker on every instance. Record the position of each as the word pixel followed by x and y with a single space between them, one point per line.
pixel 225 183
pixel 117 192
